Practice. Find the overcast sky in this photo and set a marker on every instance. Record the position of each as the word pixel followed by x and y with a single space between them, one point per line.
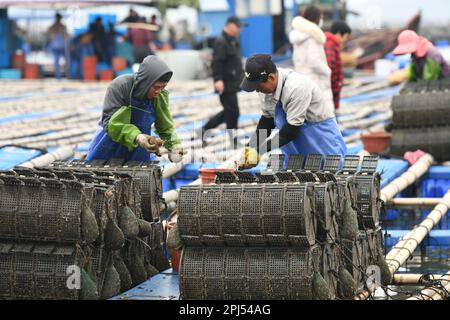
pixel 398 12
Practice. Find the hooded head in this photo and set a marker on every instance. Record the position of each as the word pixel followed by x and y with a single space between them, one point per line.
pixel 151 78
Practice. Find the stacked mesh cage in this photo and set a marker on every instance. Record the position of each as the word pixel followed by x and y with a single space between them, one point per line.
pixel 46 235
pixel 421 118
pixel 265 235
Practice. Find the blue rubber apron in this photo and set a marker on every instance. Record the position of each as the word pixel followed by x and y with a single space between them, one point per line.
pixel 323 137
pixel 104 148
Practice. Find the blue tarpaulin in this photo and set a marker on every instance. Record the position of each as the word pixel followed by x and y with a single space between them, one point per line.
pixel 12 156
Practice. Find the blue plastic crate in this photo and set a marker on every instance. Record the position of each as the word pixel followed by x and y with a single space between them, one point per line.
pixel 440 237
pixel 182 182
pixel 79 31
pixel 5 60
pixel 357 148
pixel 437 188
pixel 5 26
pixel 10 74
pixel 5 44
pixel 390 170
pixel 391 214
pixel 183 45
pixel 192 170
pixel 125 71
pixel 173 183
pixel 11 156
pixel 436 182
pixel 442 43
pixel 102 66
pixel 106 19
pixel 125 49
pixel 168 184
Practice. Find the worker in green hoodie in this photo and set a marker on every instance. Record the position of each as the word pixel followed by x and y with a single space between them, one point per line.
pixel 133 103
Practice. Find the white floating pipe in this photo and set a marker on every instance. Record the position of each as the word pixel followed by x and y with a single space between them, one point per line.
pixel 44 160
pixel 408 202
pixel 388 193
pixel 435 293
pixel 400 253
pixel 406 179
pixel 412 279
pixel 406 246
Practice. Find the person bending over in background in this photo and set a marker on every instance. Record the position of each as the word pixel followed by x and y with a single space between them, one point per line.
pixel 427 63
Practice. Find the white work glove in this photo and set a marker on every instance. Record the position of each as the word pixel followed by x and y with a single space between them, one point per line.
pixel 149 143
pixel 176 154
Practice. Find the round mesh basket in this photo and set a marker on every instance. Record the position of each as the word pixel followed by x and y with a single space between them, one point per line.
pixel 325 209
pixel 367 200
pixel 248 273
pixel 148 174
pixel 38 271
pixel 41 209
pixel 247 215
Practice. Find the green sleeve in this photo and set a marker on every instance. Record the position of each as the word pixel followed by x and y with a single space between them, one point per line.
pixel 431 70
pixel 411 73
pixel 164 122
pixel 121 130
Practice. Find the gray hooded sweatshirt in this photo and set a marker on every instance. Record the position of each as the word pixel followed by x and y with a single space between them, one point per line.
pixel 119 92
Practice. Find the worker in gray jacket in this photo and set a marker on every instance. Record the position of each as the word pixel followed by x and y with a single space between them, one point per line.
pixel 294 104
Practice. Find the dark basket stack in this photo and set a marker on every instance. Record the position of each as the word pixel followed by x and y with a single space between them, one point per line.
pixel 74 218
pixel 421 119
pixel 265 236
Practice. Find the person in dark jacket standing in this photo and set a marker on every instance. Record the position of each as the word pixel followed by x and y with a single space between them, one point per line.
pixel 227 74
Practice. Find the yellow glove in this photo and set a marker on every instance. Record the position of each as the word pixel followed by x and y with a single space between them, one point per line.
pixel 249 159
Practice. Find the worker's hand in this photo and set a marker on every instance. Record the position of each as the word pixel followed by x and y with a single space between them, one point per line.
pixel 249 159
pixel 219 86
pixel 149 143
pixel 176 154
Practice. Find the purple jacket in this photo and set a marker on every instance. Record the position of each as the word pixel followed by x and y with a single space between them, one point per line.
pixel 436 55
